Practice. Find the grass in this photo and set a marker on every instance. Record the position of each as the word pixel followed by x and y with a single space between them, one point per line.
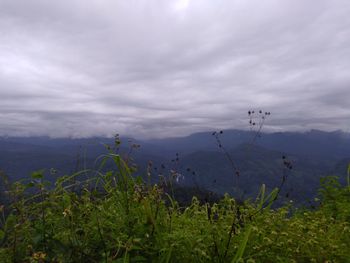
pixel 115 217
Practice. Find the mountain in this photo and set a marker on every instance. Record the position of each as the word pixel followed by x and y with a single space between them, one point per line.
pixel 256 165
pixel 311 144
pixel 198 158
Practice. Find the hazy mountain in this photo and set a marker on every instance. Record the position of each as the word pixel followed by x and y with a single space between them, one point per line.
pixel 312 144
pixel 197 158
pixel 256 165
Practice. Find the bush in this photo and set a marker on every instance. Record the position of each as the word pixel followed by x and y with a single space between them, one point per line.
pixel 114 217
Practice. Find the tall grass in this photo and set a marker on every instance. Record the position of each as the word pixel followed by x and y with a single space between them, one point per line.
pixel 115 217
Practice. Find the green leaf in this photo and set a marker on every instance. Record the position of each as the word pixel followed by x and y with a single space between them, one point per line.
pixel 167 260
pixel 37 174
pixel 29 185
pixel 2 234
pixel 66 199
pixel 138 259
pixel 262 196
pixel 37 238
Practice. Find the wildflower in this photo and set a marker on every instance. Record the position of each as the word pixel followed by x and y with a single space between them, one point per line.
pixel 39 256
pixel 67 212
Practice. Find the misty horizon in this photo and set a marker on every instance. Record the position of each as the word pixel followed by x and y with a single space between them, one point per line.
pixel 149 138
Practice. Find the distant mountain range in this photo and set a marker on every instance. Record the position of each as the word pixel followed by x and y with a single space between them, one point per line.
pixel 198 158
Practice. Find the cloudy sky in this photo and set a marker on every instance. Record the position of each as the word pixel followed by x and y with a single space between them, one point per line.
pixel 155 68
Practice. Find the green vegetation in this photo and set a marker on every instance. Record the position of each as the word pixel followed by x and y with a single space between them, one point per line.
pixel 115 217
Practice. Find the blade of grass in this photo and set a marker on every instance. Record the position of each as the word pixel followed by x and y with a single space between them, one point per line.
pixel 242 245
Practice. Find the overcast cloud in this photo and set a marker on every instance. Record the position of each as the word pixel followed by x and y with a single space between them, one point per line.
pixel 154 68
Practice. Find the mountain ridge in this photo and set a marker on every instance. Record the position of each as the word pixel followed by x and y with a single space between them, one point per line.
pixel 313 154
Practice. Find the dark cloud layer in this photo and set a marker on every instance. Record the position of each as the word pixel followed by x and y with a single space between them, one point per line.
pixel 154 68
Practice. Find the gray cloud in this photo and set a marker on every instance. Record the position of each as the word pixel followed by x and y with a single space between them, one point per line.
pixel 167 68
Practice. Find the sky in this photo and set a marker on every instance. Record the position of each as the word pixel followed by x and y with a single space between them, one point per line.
pixel 159 68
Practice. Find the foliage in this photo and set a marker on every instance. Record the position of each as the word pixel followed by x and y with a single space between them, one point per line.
pixel 115 217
